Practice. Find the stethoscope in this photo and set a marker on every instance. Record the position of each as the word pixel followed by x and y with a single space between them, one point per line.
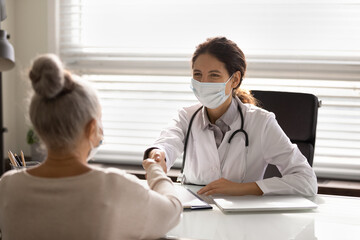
pixel 181 177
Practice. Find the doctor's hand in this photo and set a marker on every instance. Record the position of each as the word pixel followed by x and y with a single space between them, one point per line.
pixel 159 157
pixel 224 186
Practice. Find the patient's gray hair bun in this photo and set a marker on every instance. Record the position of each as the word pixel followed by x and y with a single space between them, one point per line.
pixel 47 76
pixel 63 104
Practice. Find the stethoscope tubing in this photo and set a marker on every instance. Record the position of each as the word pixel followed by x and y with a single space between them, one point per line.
pixel 229 141
pixel 187 138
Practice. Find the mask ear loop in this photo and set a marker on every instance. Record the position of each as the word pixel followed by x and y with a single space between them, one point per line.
pixel 91 145
pixel 230 78
pixel 99 131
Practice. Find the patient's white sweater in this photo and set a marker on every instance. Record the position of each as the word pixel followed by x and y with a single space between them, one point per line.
pixel 101 204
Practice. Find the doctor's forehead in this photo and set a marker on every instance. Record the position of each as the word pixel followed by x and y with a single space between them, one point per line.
pixel 207 63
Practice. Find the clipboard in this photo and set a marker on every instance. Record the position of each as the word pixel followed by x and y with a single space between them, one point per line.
pixel 190 200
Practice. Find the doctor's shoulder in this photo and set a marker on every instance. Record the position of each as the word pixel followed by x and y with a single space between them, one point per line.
pixel 257 114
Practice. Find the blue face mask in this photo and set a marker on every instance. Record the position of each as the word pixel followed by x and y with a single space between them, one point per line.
pixel 209 94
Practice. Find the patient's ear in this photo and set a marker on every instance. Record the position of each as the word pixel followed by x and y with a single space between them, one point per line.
pixel 90 129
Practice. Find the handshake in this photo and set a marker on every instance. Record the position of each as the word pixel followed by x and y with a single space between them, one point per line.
pixel 155 156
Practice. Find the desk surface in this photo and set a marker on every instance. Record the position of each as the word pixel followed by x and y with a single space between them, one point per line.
pixel 335 218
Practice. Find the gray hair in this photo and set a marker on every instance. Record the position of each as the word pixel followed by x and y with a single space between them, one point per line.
pixel 62 105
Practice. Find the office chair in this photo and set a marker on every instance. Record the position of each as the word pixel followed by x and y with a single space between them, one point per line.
pixel 297 115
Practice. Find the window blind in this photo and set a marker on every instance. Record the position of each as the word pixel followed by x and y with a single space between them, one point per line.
pixel 137 54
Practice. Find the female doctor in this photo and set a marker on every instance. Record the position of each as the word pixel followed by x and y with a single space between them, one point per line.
pixel 228 141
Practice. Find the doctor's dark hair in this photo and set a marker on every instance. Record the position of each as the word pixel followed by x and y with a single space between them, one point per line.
pixel 227 52
pixel 62 105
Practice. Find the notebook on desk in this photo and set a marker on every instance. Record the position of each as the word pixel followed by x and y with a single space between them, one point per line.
pixel 263 203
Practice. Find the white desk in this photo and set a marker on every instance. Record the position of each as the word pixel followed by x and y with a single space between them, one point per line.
pixel 335 218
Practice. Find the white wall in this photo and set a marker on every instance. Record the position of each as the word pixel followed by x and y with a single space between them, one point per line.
pixel 27 23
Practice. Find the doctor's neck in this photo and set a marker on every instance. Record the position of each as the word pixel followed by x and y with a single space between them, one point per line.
pixel 216 113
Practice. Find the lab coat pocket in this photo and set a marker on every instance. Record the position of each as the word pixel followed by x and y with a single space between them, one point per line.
pixel 201 167
pixel 234 157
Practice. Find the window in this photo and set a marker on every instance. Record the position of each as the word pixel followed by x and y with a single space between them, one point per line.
pixel 137 53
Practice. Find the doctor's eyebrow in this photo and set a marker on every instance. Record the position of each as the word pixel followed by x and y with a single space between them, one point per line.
pixel 215 71
pixel 211 71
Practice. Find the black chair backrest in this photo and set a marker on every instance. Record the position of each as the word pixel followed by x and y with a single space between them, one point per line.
pixel 297 115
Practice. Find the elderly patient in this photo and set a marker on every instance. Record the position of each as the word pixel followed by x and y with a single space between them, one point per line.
pixel 64 197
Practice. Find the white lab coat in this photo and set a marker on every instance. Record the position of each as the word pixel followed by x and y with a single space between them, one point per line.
pixel 268 144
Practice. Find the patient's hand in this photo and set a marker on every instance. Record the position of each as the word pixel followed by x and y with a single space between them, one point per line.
pixel 159 157
pixel 147 162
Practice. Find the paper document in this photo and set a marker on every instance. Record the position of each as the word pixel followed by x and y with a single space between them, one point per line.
pixel 190 200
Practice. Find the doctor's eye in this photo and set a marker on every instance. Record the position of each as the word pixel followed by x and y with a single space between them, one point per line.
pixel 197 75
pixel 215 75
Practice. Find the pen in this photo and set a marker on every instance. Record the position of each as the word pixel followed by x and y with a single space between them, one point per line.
pixel 11 159
pixel 23 158
pixel 18 160
pixel 14 159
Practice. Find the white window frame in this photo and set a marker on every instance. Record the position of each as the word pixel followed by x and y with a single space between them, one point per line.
pixel 276 66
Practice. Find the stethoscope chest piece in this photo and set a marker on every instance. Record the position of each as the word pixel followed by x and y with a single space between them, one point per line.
pixel 181 178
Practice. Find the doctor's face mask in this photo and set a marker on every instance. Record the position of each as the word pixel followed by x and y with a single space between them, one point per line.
pixel 210 94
